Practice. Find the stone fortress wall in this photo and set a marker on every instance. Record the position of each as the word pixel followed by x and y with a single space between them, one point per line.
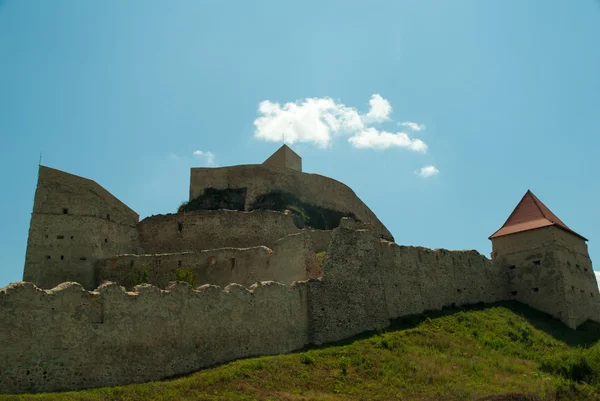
pixel 69 338
pixel 74 223
pixel 550 270
pixel 211 229
pixel 292 258
pixel 80 232
pixel 258 180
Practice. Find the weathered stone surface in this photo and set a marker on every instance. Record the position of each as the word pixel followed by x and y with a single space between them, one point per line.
pixel 75 222
pixel 193 231
pixel 315 189
pixel 69 338
pixel 550 270
pixel 291 259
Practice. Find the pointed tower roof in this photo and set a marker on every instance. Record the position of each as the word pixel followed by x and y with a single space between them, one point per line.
pixel 530 214
pixel 284 157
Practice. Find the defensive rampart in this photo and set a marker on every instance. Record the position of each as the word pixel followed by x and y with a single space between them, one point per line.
pixel 75 222
pixel 291 259
pixel 68 338
pixel 193 231
pixel 259 180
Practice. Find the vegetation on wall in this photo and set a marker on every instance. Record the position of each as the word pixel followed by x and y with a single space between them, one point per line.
pixel 503 353
pixel 216 199
pixel 186 275
pixel 136 277
pixel 321 258
pixel 306 214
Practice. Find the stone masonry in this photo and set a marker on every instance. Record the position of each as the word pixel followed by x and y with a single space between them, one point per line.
pixel 85 315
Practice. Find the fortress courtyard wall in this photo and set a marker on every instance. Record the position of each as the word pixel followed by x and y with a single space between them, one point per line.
pixel 292 259
pixel 213 229
pixel 259 180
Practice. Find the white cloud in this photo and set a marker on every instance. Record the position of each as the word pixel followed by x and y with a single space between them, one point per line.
pixel 380 109
pixel 313 120
pixel 173 156
pixel 373 139
pixel 319 120
pixel 207 157
pixel 427 171
pixel 413 126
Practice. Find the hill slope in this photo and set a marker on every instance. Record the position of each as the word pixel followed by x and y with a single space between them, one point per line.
pixel 500 352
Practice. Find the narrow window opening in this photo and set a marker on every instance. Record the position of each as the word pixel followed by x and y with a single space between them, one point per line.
pixel 577 266
pixel 60 237
pixel 47 256
pixel 568 263
pixel 83 258
pixel 513 293
pixel 131 263
pixel 585 269
pixel 62 257
pixel 179 263
pixel 72 237
pixel 105 240
pixel 537 262
pixel 65 211
pixel 108 217
pixel 592 294
pixel 232 263
pixel 46 235
pixel 572 288
pixel 512 267
pixel 458 290
pixel 179 227
pixel 536 289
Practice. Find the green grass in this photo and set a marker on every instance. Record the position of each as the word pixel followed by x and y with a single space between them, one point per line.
pixel 450 355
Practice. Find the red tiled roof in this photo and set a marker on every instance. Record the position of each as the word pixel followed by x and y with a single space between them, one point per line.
pixel 530 214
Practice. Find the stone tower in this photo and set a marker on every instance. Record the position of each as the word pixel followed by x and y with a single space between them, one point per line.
pixel 284 157
pixel 547 264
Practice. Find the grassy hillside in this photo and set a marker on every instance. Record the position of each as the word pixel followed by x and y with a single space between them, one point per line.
pixel 504 352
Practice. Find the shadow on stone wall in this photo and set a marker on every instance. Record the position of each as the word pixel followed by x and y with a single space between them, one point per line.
pixel 216 199
pixel 305 214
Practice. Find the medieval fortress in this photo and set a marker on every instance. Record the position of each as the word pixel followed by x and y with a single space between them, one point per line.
pixel 263 259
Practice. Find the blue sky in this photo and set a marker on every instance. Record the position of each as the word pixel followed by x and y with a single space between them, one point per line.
pixel 506 95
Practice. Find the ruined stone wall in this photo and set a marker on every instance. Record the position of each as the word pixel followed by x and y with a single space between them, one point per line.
pixel 75 222
pixel 292 259
pixel 550 270
pixel 320 239
pixel 194 231
pixel 68 338
pixel 315 189
pixel 368 281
